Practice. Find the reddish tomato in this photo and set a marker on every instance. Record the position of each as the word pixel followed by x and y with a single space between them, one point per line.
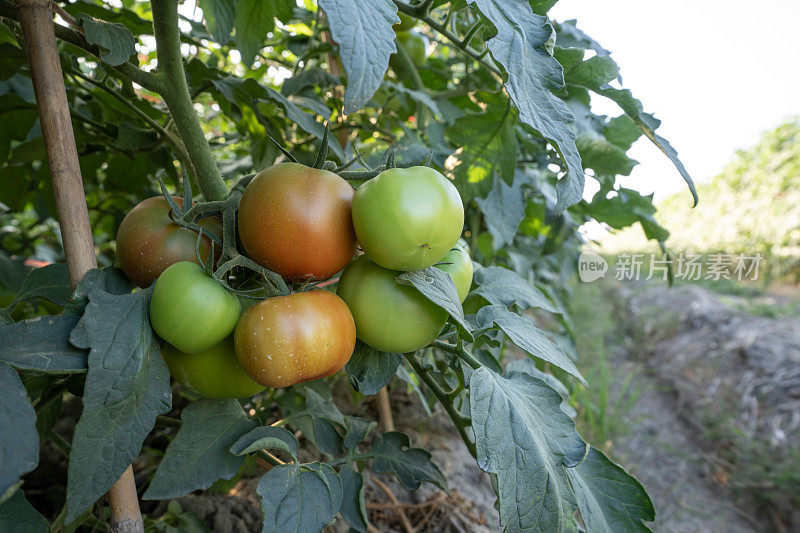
pixel 148 242
pixel 297 221
pixel 289 339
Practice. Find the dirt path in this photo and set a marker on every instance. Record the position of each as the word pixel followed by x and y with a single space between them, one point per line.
pixel 713 431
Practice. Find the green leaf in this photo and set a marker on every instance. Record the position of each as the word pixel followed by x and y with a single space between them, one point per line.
pixel 353 508
pixel 12 272
pixel 126 17
pixel 7 36
pixel 116 41
pixel 19 440
pixel 570 36
pixel 363 29
pixel 357 430
pixel 622 131
pixel 299 497
pixel 42 344
pixel 488 144
pixel 199 454
pixel 111 280
pixel 392 452
pixel 370 370
pixel 605 158
pixel 313 77
pixel 19 516
pixel 17 117
pixel 541 7
pixel 610 500
pixel 595 71
pixel 531 73
pixel 14 185
pixel 315 416
pixel 503 210
pixel 529 367
pixel 219 16
pixel 518 412
pixel 438 287
pixel 501 286
pixel 254 20
pixel 527 336
pixel 131 138
pixel 266 438
pixel 625 209
pixel 48 408
pixel 50 282
pixel 127 385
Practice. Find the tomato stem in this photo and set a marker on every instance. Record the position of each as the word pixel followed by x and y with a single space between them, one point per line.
pixel 460 421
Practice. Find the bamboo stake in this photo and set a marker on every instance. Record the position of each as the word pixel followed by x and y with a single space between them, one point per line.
pixel 36 19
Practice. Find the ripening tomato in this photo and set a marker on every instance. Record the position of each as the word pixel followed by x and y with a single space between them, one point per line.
pixel 297 221
pixel 148 242
pixel 389 317
pixel 458 264
pixel 285 340
pixel 213 373
pixel 407 218
pixel 190 310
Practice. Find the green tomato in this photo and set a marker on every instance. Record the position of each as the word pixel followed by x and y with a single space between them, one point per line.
pixel 405 24
pixel 389 317
pixel 407 218
pixel 458 264
pixel 190 310
pixel 212 373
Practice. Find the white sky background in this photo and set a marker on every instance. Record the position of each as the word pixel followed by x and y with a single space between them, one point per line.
pixel 717 73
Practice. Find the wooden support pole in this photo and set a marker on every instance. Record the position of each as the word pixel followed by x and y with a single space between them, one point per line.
pixel 36 19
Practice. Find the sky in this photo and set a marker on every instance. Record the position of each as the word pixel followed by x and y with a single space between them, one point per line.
pixel 717 73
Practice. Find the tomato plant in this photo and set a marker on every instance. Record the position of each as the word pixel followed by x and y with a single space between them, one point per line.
pixel 275 112
pixel 148 242
pixel 190 310
pixel 291 339
pixel 407 219
pixel 388 316
pixel 297 221
pixel 212 373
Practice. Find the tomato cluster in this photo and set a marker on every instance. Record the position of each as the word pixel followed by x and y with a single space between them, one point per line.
pixel 304 224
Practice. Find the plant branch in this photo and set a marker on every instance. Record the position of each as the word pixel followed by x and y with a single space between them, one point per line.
pixel 128 70
pixel 459 351
pixel 69 19
pixel 458 419
pixel 442 29
pixel 176 95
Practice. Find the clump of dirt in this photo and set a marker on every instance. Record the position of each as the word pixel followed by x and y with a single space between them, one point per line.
pixel 237 511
